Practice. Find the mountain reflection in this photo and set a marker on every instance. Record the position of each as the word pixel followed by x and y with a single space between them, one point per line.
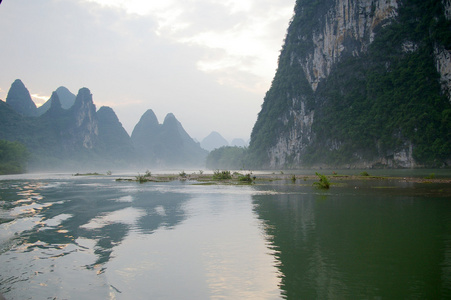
pixel 358 244
pixel 289 223
pixel 89 209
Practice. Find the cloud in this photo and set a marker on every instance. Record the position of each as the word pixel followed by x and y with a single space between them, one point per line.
pixel 199 59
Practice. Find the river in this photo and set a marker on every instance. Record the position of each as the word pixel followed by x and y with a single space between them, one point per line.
pixel 91 237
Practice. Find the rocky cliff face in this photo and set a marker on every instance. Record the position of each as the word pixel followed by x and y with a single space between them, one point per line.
pixel 83 131
pixel 343 65
pixel 76 137
pixel 348 27
pixel 69 139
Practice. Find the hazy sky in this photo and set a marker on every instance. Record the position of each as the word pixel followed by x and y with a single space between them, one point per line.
pixel 210 62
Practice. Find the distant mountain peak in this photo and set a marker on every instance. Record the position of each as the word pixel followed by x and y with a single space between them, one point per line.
pixel 238 143
pixel 167 144
pixel 170 118
pixel 20 100
pixel 55 106
pixel 107 114
pixel 65 97
pixel 213 140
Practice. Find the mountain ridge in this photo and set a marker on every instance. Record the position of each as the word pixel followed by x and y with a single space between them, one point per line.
pixel 82 137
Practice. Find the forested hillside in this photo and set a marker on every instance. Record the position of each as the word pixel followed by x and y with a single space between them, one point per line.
pixel 359 83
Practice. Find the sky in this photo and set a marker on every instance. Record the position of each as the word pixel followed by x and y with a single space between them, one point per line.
pixel 209 62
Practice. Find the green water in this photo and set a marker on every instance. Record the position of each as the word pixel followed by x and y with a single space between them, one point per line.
pixel 377 241
pixel 64 237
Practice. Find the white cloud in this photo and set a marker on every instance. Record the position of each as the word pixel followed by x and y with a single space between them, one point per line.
pixel 199 59
pixel 247 43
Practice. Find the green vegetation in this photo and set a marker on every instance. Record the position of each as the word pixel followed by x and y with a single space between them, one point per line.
pixel 431 176
pixel 13 157
pixel 364 173
pixel 88 174
pixel 222 175
pixel 370 105
pixel 227 158
pixel 323 182
pixel 245 178
pixel 144 178
pixel 182 174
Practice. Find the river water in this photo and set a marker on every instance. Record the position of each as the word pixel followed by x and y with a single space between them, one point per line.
pixel 66 237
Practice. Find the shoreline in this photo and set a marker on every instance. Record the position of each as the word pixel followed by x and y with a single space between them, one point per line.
pixel 275 177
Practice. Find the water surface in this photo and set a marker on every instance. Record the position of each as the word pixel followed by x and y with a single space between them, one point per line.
pixel 70 237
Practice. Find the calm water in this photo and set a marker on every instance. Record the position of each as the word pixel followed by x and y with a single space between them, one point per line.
pixel 64 237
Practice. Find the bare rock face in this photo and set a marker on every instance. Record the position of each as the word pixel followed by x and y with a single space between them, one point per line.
pixel 345 73
pixel 443 65
pixel 20 100
pixel 84 131
pixel 348 27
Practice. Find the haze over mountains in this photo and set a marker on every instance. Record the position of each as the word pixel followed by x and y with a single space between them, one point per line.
pixel 359 84
pixel 68 133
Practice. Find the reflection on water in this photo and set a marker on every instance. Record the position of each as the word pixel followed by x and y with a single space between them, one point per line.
pixel 361 241
pixel 94 238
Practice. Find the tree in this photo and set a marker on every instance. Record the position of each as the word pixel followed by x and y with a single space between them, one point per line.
pixel 13 157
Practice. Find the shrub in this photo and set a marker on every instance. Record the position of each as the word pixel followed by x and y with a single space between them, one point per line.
pixel 141 178
pixel 431 176
pixel 245 178
pixel 221 175
pixel 323 182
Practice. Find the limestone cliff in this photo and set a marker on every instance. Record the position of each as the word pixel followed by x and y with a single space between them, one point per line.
pixel 360 83
pixel 77 138
pixel 83 132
